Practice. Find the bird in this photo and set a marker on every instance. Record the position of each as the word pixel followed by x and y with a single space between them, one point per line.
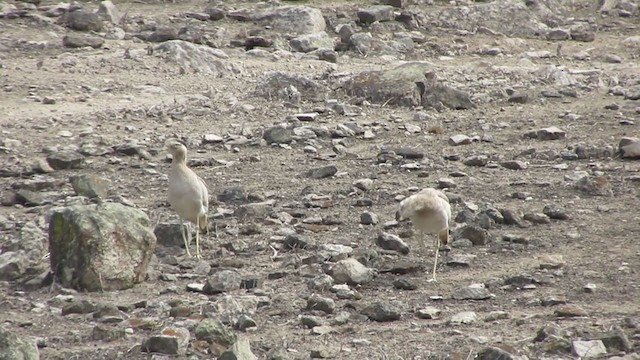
pixel 188 194
pixel 430 212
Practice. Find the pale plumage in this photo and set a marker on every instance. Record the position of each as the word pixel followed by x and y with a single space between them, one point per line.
pixel 430 213
pixel 188 194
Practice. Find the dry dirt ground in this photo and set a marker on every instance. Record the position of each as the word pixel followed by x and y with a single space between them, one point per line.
pixel 115 98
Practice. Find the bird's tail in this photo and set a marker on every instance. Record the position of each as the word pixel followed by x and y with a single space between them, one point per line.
pixel 443 235
pixel 203 222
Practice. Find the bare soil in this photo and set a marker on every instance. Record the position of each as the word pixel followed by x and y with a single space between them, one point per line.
pixel 115 96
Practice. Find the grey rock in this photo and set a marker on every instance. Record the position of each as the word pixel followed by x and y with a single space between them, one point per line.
pixel 81 20
pixel 292 19
pixel 465 317
pixel 369 218
pixel 405 284
pixel 549 133
pixel 172 341
pixel 493 353
pixel 472 293
pixel 233 195
pixel 376 13
pixel 100 247
pixel 61 160
pixel 555 213
pixel 240 350
pixel 513 165
pixel 310 321
pixel 90 185
pixel 13 347
pixel 309 42
pixel 289 87
pixel 214 332
pixel 78 307
pixel 558 35
pixel 476 234
pixel 228 308
pixel 594 186
pixel 320 283
pixel 537 218
pixel 259 210
pixel 496 315
pixel 392 242
pixel 295 241
pixel 169 234
pixel 29 198
pixel 428 312
pixel 321 172
pixel 13 265
pixel 363 184
pixel 107 333
pixel 476 160
pixel 321 303
pixel 629 148
pixel 109 12
pixel 399 85
pixel 460 260
pixel 616 340
pixel 196 58
pixel 222 281
pixel 446 183
pixel 381 312
pixel 459 139
pixel 81 40
pixel 588 348
pixel 511 217
pixel 351 271
pixel 323 352
pixel 278 135
pixel 329 55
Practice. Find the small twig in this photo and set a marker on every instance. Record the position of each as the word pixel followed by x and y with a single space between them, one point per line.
pixel 101 284
pixel 275 252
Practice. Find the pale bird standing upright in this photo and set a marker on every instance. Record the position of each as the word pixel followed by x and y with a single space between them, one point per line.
pixel 430 213
pixel 188 194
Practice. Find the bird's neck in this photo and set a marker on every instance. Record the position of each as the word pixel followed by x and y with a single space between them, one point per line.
pixel 179 160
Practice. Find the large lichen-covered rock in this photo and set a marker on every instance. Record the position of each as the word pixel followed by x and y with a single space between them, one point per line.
pixel 105 246
pixel 410 84
pixel 14 348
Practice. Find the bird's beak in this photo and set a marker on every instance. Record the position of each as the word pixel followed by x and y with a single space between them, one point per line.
pixel 398 217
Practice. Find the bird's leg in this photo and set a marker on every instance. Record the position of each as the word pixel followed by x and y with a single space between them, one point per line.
pixel 198 237
pixel 435 262
pixel 183 230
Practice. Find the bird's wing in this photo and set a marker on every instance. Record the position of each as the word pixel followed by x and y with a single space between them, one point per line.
pixel 205 192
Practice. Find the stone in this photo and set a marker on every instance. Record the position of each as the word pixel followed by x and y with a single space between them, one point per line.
pixel 398 86
pixel 513 165
pixel 404 284
pixel 90 185
pixel 570 311
pixel 428 312
pixel 81 40
pixel 81 20
pixel 493 353
pixel 392 242
pixel 321 172
pixel 472 293
pixel 324 304
pixel 240 350
pixel 107 333
pixel 381 312
pixel 195 58
pixel 537 218
pixel 171 341
pixel 214 332
pixel 586 349
pixel 363 184
pixel 466 317
pixel 629 148
pixel 476 160
pixel 309 42
pixel 105 246
pixel 278 135
pixel 169 234
pixel 460 260
pixel 310 321
pixel 459 139
pixel 476 234
pixel 292 19
pixel 13 265
pixel 376 13
pixel 62 160
pixel 555 213
pixel 78 307
pixel 229 308
pixel 352 272
pixel 550 133
pixel 369 218
pixel 320 283
pixel 109 12
pixel 13 347
pixel 222 281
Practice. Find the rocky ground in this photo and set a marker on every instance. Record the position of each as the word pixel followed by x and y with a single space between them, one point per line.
pixel 309 124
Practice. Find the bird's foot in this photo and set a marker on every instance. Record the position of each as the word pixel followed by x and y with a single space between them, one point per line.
pixel 432 280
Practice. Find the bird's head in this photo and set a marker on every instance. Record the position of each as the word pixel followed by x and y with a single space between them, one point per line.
pixel 176 149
